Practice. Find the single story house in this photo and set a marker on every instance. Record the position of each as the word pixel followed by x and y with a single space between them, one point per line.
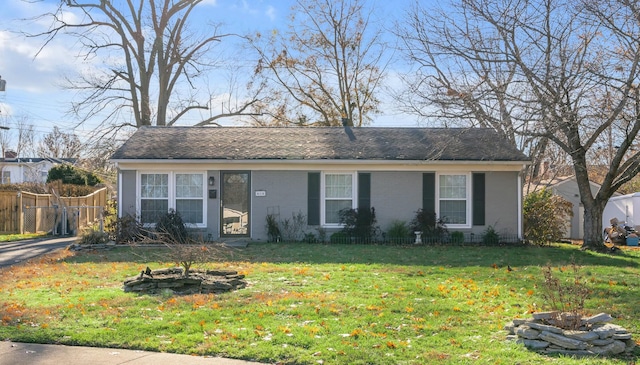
pixel 224 181
pixel 16 170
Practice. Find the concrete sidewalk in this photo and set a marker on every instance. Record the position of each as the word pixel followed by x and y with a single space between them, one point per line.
pixel 12 353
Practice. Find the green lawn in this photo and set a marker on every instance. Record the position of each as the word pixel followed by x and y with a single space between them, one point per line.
pixel 311 304
pixel 19 237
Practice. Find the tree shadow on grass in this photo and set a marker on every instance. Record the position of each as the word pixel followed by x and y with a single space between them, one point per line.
pixel 446 256
pixel 449 256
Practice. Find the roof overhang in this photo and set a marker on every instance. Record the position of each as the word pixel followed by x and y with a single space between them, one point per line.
pixel 373 165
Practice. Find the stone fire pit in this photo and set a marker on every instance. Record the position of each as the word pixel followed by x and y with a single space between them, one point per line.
pixel 596 336
pixel 198 281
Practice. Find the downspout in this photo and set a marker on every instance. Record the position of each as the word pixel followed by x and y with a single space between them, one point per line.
pixel 119 212
pixel 519 195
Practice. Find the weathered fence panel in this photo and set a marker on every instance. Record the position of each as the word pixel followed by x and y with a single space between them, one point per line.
pixel 9 211
pixel 23 212
pixel 39 219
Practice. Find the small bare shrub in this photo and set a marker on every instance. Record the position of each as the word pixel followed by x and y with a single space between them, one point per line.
pixel 273 229
pixel 566 298
pixel 187 252
pixel 171 224
pixel 92 236
pixel 183 249
pixel 292 229
pixel 126 229
pixel 322 234
pixel 186 255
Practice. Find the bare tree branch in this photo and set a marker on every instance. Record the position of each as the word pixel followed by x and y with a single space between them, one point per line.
pixel 150 54
pixel 537 72
pixel 327 66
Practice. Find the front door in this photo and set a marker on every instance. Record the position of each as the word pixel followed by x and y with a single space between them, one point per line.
pixel 235 203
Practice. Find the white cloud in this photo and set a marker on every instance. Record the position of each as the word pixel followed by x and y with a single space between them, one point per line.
pixel 24 63
pixel 5 110
pixel 271 13
pixel 247 8
pixel 25 72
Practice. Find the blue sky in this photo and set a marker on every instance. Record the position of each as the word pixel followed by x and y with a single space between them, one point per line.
pixel 33 88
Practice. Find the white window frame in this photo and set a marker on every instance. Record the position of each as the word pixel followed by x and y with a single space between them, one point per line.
pixel 139 197
pixel 323 198
pixel 172 193
pixel 202 197
pixel 468 198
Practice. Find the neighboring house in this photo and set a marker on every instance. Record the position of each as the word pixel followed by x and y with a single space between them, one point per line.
pixel 16 170
pixel 567 188
pixel 225 181
pixel 625 208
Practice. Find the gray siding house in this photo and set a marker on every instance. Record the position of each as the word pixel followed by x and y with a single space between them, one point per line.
pixel 224 181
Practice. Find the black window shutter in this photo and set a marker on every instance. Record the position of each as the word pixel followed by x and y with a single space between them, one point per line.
pixel 478 203
pixel 429 192
pixel 364 190
pixel 313 199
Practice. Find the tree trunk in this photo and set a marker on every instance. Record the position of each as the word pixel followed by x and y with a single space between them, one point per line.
pixel 593 239
pixel 145 108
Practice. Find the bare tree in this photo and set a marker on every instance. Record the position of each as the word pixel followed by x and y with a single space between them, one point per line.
pixel 463 75
pixel 17 137
pixel 96 155
pixel 58 144
pixel 149 51
pixel 25 145
pixel 326 67
pixel 557 71
pixel 5 136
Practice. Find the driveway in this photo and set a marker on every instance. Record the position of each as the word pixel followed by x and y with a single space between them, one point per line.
pixel 15 252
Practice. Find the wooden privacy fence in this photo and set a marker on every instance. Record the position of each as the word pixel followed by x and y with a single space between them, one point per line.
pixel 23 212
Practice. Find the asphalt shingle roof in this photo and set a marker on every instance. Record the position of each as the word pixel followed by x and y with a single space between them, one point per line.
pixel 328 143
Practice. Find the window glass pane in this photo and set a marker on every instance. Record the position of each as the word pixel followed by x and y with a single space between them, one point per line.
pixel 190 210
pixel 453 211
pixel 333 207
pixel 338 186
pixel 453 186
pixel 180 180
pixel 154 185
pixel 151 209
pixel 189 185
pixel 6 177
